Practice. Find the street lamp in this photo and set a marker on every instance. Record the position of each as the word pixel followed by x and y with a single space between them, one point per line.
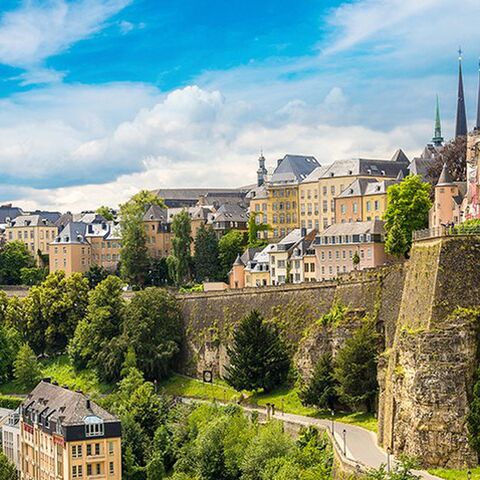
pixel 344 442
pixel 333 423
pixel 469 475
pixel 388 458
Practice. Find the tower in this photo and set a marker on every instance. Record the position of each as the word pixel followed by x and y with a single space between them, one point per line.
pixel 477 124
pixel 262 171
pixel 437 137
pixel 461 120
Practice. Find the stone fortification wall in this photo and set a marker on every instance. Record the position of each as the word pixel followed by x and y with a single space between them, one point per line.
pixel 426 375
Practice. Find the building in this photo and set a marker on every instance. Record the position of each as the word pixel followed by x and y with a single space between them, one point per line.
pixel 64 435
pixel 7 214
pixel 257 270
pixel 364 200
pixel 344 247
pixel 80 245
pixel 11 439
pixel 334 179
pixel 447 205
pixel 280 257
pixel 35 230
pixel 258 197
pixel 309 192
pixel 237 276
pixel 191 197
pixel 158 232
pixel 229 217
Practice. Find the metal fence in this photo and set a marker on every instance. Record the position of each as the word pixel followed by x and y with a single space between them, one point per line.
pixel 453 231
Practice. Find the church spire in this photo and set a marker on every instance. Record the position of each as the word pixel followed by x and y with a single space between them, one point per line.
pixel 437 137
pixel 461 120
pixel 477 126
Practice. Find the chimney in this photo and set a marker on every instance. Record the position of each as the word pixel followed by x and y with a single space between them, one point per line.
pixel 88 404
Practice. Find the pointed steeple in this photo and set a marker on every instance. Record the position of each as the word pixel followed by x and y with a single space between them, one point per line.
pixel 437 137
pixel 445 177
pixel 461 120
pixel 262 171
pixel 477 126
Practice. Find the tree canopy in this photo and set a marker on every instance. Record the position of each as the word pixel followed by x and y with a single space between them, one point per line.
pixel 407 210
pixel 230 246
pixel 179 261
pixel 14 256
pixel 206 254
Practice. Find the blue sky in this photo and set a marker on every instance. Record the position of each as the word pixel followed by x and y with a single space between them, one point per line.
pixel 101 97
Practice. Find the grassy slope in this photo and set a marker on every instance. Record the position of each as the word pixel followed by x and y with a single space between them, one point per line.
pixel 286 398
pixel 61 371
pixel 455 474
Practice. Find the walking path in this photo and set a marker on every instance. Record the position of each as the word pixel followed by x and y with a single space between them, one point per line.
pixel 353 443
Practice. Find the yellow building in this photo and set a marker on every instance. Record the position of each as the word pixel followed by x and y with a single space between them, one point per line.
pixel 276 202
pixel 66 436
pixel 35 231
pixel 80 245
pixel 157 228
pixel 309 193
pixel 333 180
pixel 364 200
pixel 257 270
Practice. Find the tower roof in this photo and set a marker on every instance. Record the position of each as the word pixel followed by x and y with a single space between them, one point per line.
pixel 445 177
pixel 461 119
pixel 437 136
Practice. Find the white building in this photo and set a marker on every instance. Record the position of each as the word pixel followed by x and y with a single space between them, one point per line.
pixel 11 438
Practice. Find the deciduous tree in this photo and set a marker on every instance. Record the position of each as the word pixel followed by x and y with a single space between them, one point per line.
pixel 26 368
pixel 206 254
pixel 180 260
pixel 408 206
pixel 230 246
pixel 13 257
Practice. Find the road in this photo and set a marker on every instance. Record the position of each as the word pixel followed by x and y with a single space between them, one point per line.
pixel 357 444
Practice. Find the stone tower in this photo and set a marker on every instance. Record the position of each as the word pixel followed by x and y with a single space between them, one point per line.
pixel 262 171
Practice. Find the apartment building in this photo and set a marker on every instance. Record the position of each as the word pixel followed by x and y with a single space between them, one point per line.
pixel 309 192
pixel 66 436
pixel 364 200
pixel 158 232
pixel 229 217
pixel 258 197
pixel 344 247
pixel 333 180
pixel 11 439
pixel 237 277
pixel 257 270
pixel 36 231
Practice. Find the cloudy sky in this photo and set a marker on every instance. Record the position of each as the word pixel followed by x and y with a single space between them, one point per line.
pixel 99 98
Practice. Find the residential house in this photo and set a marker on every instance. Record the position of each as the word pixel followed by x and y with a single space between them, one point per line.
pixel 65 435
pixel 158 232
pixel 11 438
pixel 339 245
pixel 237 275
pixel 229 217
pixel 257 270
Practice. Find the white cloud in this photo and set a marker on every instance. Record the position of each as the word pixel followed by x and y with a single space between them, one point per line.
pixel 40 29
pixel 194 137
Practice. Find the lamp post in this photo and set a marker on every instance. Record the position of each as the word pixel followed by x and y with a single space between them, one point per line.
pixel 388 459
pixel 333 423
pixel 344 442
pixel 469 475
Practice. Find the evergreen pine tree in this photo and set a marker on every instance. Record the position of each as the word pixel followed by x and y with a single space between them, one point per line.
pixel 320 390
pixel 356 368
pixel 258 356
pixel 26 369
pixel 206 254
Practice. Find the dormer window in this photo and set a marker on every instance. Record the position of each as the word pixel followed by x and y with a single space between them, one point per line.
pixel 94 426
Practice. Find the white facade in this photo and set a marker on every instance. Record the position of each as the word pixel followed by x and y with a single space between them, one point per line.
pixel 11 439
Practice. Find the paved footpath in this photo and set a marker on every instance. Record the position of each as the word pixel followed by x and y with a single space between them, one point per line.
pixel 357 444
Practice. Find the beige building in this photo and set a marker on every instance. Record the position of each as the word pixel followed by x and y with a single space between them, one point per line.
pixel 36 231
pixel 344 247
pixel 257 270
pixel 334 179
pixel 66 436
pixel 447 204
pixel 238 275
pixel 158 232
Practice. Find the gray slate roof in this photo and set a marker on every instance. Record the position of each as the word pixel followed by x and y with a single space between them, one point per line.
pixel 32 221
pixel 365 166
pixel 294 168
pixel 58 402
pixel 7 211
pixel 73 233
pixel 230 213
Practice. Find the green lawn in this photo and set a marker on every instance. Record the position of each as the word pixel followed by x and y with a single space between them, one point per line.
pixel 61 371
pixel 284 398
pixel 456 474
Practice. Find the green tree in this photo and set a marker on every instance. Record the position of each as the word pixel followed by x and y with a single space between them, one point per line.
pixel 153 327
pixel 10 342
pixel 230 246
pixel 7 469
pixel 158 273
pixel 52 311
pixel 356 260
pixel 254 229
pixel 206 254
pixel 13 257
pixel 26 368
pixel 408 206
pixel 356 368
pixel 95 274
pixel 258 356
pixel 180 260
pixel 95 334
pixel 134 259
pixel 33 275
pixel 106 212
pixel 320 390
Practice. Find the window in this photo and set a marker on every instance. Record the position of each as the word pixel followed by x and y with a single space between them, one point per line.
pixel 312 267
pixel 307 267
pixel 89 469
pixel 77 451
pixel 111 448
pixel 343 209
pixel 98 468
pixel 77 471
pixel 89 450
pixel 377 204
pixel 355 207
pixel 369 206
pixel 97 449
pixel 111 468
pixel 332 189
pixel 325 206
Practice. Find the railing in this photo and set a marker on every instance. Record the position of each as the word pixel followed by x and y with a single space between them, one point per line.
pixel 438 232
